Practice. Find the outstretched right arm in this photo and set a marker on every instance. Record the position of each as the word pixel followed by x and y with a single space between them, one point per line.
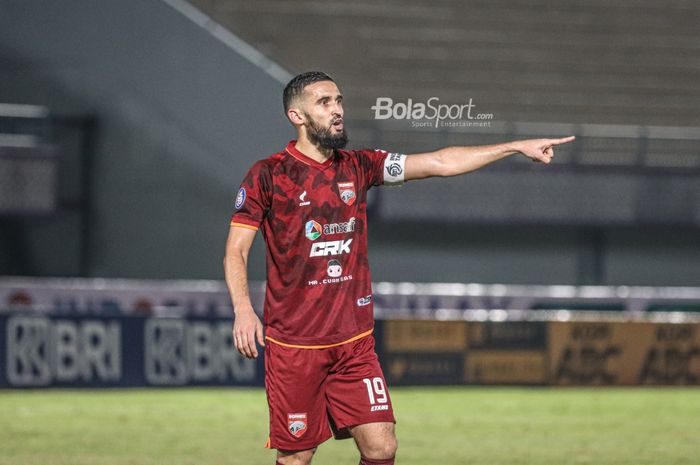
pixel 246 326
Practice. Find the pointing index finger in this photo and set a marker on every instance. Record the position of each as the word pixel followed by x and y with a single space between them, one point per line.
pixel 563 140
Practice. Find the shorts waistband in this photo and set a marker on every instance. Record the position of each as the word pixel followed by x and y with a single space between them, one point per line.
pixel 297 346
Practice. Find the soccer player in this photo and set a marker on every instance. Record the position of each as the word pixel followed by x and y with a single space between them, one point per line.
pixel 322 377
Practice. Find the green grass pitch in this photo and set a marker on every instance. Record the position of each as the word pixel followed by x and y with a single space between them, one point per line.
pixel 437 426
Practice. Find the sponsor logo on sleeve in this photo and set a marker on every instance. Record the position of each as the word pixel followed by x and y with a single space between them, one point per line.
pixel 347 192
pixel 393 167
pixel 364 301
pixel 240 198
pixel 296 423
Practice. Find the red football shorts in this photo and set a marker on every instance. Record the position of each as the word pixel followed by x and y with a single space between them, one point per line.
pixel 314 394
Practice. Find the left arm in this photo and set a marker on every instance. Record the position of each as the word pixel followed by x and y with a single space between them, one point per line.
pixel 453 161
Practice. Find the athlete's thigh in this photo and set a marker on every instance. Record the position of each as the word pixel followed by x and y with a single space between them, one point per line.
pixel 294 383
pixel 356 389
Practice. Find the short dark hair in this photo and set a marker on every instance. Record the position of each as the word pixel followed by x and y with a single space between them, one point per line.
pixel 296 86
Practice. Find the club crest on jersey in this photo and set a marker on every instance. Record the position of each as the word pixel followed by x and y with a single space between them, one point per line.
pixel 347 192
pixel 296 423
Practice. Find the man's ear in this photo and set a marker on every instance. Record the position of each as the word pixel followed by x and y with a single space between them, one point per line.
pixel 295 116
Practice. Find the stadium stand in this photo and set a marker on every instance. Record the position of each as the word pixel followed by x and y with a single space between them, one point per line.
pixel 621 77
pixel 631 63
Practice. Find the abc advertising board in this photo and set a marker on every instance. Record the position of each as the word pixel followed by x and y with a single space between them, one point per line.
pixel 71 351
pixel 423 352
pixel 624 353
pixel 506 353
pixel 672 355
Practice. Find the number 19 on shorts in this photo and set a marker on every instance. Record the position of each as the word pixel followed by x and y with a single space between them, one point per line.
pixel 376 393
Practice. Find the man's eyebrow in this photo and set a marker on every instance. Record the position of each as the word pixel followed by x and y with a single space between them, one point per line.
pixel 324 97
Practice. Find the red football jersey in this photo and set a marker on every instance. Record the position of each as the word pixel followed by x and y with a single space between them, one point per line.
pixel 314 222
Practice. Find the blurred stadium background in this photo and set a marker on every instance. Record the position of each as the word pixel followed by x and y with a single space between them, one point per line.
pixel 126 127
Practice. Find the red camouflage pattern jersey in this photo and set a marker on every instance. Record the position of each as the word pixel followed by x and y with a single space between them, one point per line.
pixel 314 222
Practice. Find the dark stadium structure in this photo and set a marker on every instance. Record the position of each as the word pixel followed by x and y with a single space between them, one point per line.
pixel 126 127
pixel 170 123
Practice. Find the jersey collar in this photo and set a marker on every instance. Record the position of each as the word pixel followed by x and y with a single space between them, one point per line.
pixel 293 151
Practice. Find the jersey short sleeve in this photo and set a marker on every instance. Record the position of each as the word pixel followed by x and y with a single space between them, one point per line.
pixel 254 197
pixel 383 168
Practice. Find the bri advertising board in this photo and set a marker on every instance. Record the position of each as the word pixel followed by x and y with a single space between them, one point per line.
pixel 120 351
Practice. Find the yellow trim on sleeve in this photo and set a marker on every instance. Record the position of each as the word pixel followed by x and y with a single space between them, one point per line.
pixel 355 338
pixel 242 225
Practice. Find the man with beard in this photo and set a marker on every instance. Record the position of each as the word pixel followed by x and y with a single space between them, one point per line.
pixel 322 377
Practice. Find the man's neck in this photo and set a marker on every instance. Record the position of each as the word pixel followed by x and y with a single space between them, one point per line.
pixel 313 151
